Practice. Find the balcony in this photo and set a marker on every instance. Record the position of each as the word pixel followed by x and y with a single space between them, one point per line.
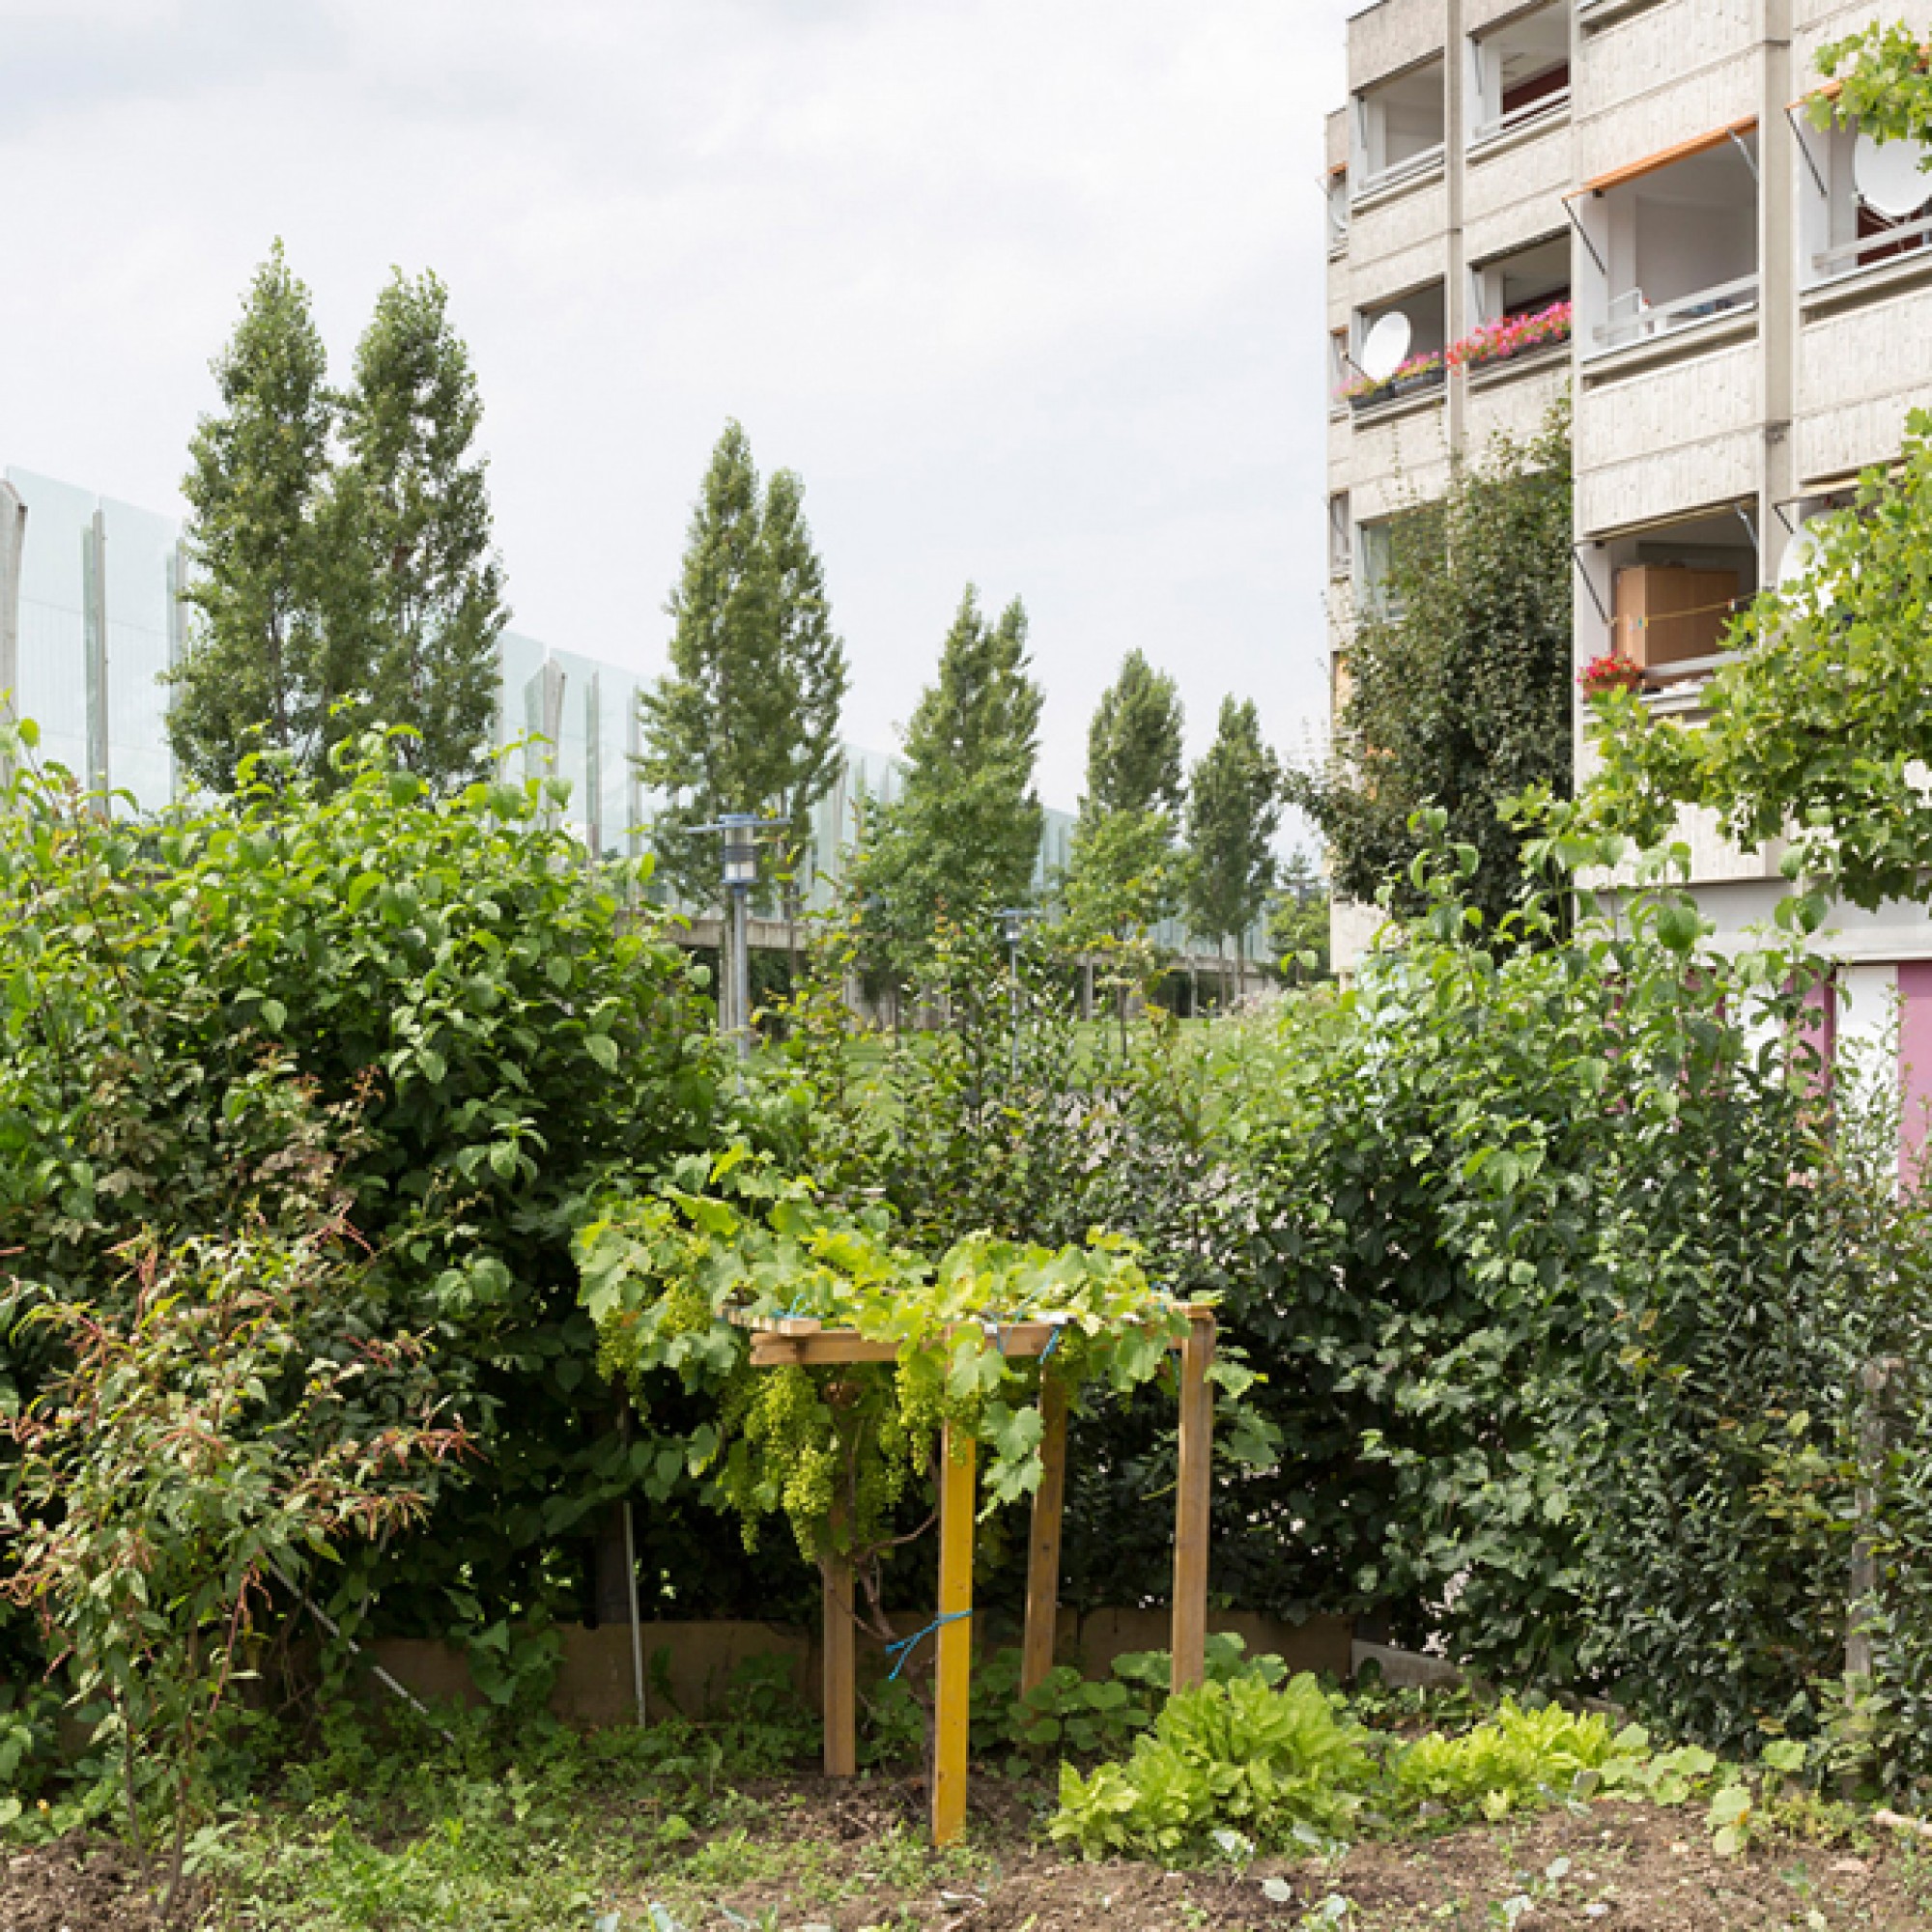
pixel 1400 134
pixel 1398 351
pixel 1521 76
pixel 1869 206
pixel 1671 245
pixel 1674 591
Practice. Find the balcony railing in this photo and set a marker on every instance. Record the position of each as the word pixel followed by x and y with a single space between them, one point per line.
pixel 1647 322
pixel 1413 168
pixel 1548 107
pixel 1907 238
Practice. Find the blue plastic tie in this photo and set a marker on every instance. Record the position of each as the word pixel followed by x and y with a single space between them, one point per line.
pixel 906 1645
pixel 1052 1342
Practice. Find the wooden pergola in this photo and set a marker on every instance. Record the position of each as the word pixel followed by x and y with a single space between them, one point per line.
pixel 807 1344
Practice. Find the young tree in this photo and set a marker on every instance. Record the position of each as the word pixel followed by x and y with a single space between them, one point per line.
pixel 274 556
pixel 1300 926
pixel 963 838
pixel 1457 681
pixel 416 494
pixel 747 718
pixel 1233 810
pixel 1134 744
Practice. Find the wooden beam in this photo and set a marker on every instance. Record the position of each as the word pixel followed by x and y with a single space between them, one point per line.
pixel 841 1696
pixel 1194 1491
pixel 826 1350
pixel 796 1343
pixel 953 1721
pixel 1043 1597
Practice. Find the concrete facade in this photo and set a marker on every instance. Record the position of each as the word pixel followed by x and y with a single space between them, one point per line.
pixel 1748 330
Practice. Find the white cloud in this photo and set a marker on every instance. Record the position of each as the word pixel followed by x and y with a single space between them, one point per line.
pixel 1028 289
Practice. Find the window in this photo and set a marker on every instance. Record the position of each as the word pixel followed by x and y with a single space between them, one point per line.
pixel 1519 73
pixel 1674 591
pixel 1671 245
pixel 1340 537
pixel 1863 203
pixel 1420 334
pixel 1375 553
pixel 1400 127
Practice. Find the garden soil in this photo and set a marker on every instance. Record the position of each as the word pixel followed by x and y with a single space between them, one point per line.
pixel 73 1886
pixel 1630 1868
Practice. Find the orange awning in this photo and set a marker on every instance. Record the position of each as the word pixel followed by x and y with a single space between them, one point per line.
pixel 1699 144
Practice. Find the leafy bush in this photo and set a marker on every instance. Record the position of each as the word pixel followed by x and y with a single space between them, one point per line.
pixel 1241 1754
pixel 204 1446
pixel 501 1024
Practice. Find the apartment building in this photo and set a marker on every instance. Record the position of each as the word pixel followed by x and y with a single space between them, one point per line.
pixel 1624 198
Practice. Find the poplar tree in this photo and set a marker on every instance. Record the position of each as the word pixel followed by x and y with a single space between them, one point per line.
pixel 416 492
pixel 747 716
pixel 1134 744
pixel 809 656
pixel 1123 875
pixel 962 840
pixel 1232 814
pixel 274 559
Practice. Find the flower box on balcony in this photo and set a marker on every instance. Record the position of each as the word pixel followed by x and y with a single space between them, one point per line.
pixel 1422 372
pixel 1513 336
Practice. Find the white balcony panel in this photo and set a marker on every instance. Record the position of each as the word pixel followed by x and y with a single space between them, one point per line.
pixel 1671 483
pixel 1338 138
pixel 1395 275
pixel 1341 298
pixel 1660 76
pixel 1838 441
pixel 1660 409
pixel 1396 226
pixel 1685 110
pixel 1399 460
pixel 1862 354
pixel 1535 173
pixel 1393 36
pixel 1514 406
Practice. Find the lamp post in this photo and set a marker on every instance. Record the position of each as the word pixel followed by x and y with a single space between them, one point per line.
pixel 1013 923
pixel 740 872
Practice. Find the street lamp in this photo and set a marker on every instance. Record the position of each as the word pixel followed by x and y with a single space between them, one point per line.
pixel 739 873
pixel 1014 923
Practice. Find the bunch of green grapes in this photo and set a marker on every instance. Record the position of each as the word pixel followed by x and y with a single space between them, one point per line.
pixel 784 1456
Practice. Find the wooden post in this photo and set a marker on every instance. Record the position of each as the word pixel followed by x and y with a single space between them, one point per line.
pixel 1194 1491
pixel 953 1715
pixel 841 1700
pixel 1042 1598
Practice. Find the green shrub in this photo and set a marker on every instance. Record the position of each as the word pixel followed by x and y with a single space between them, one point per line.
pixel 498 1025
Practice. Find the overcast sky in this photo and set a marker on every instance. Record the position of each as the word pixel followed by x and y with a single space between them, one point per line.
pixel 1028 291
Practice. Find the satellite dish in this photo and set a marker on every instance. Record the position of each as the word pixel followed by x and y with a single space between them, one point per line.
pixel 1801 558
pixel 1801 575
pixel 1891 178
pixel 1386 347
